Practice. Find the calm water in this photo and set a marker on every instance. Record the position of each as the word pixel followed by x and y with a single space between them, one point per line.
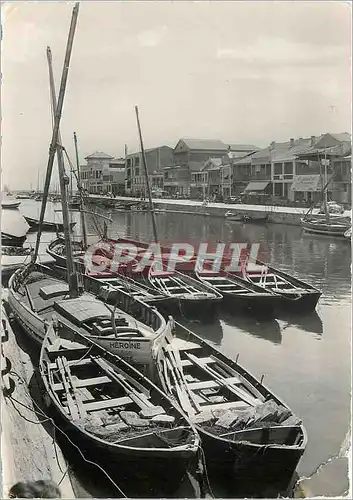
pixel 305 359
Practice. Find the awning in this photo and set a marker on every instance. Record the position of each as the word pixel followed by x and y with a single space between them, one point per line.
pixel 306 183
pixel 257 186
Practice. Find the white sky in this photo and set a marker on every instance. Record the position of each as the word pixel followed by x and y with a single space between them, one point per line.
pixel 243 72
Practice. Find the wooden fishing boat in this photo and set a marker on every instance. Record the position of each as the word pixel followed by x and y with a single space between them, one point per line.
pixel 131 330
pixel 331 227
pixel 47 226
pixel 294 293
pixel 246 218
pixel 116 414
pixel 239 295
pixel 193 296
pixel 248 434
pixel 11 240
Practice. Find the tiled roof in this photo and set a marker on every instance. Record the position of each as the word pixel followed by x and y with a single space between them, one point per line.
pixel 99 155
pixel 205 144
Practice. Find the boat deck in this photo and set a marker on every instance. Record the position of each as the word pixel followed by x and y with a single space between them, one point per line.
pixel 50 295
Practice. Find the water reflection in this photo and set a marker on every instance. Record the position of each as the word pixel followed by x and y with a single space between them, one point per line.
pixel 310 322
pixel 213 332
pixel 268 330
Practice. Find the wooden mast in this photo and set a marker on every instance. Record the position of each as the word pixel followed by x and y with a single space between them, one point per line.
pixel 147 180
pixel 80 191
pixel 55 134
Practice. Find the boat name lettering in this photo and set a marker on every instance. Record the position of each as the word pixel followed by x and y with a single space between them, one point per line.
pixel 125 345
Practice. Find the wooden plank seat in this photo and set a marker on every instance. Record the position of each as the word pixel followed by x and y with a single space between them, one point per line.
pixel 211 384
pixel 81 362
pixel 203 361
pixel 107 403
pixel 83 382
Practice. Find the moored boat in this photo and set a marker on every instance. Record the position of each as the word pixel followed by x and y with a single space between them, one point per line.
pixel 248 434
pixel 348 233
pixel 111 279
pixel 47 225
pixel 246 218
pixel 331 227
pixel 294 293
pixel 10 203
pixel 238 294
pixel 117 415
pixel 12 240
pixel 131 330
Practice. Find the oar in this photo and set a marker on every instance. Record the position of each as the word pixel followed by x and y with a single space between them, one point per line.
pixel 183 399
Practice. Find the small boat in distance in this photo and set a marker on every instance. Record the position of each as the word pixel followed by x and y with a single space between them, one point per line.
pixel 117 415
pixel 337 226
pixel 46 226
pixel 10 203
pixel 246 218
pixel 247 433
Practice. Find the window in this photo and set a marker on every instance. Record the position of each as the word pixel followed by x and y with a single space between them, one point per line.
pixel 137 161
pixel 278 169
pixel 137 171
pixel 288 168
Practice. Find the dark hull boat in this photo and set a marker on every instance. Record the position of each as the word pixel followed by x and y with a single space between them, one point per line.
pixel 116 415
pixel 295 294
pixel 239 295
pixel 47 226
pixel 131 330
pixel 248 434
pixel 193 297
pixel 10 204
pixel 246 218
pixel 11 240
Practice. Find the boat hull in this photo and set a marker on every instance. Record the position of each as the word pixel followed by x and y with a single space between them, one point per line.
pixel 320 227
pixel 259 305
pixel 139 473
pixel 11 206
pixel 248 468
pixel 12 241
pixel 47 226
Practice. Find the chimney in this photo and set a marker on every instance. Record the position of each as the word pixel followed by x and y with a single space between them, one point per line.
pixel 291 142
pixel 312 140
pixel 273 145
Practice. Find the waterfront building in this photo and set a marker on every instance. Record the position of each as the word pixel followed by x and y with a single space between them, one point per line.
pixel 156 160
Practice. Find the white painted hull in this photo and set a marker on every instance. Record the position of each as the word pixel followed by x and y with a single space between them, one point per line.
pixel 138 351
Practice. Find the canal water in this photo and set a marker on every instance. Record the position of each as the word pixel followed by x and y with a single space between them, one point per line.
pixel 305 359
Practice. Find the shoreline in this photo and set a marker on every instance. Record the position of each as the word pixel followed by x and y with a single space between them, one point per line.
pixel 277 214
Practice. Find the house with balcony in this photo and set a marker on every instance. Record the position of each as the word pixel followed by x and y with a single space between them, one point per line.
pixel 342 180
pixel 176 180
pixel 328 159
pixel 156 160
pixel 95 175
pixel 206 182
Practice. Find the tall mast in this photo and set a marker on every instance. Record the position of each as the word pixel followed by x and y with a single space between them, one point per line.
pixel 80 191
pixel 146 177
pixel 55 134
